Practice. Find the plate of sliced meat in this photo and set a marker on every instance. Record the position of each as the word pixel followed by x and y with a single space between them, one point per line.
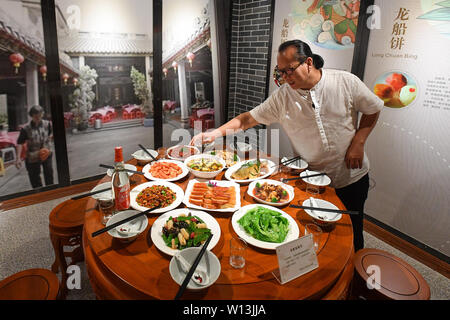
pixel 220 196
pixel 165 170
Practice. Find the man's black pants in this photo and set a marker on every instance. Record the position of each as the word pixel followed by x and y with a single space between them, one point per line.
pixel 34 172
pixel 353 197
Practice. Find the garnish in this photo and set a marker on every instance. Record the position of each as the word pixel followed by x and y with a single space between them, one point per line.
pixel 212 184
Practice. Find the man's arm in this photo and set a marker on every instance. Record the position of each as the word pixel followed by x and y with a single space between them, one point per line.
pixel 355 153
pixel 242 122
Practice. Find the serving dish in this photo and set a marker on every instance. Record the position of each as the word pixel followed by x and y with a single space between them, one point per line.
pixel 179 194
pixel 292 234
pixel 166 170
pixel 269 169
pixel 156 230
pixel 204 160
pixel 283 200
pixel 181 153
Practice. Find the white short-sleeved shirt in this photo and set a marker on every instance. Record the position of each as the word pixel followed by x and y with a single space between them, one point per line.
pixel 322 135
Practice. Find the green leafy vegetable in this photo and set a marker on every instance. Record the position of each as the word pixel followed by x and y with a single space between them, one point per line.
pixel 265 224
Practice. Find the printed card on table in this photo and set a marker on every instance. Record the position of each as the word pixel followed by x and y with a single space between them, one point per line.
pixel 295 259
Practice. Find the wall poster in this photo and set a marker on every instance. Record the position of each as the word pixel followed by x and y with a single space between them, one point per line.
pixel 408 66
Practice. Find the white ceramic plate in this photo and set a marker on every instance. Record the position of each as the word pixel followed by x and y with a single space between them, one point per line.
pixel 156 231
pixel 127 166
pixel 296 165
pixel 322 204
pixel 148 175
pixel 230 171
pixel 293 232
pixel 288 188
pixel 220 184
pixel 320 181
pixel 174 157
pixel 178 191
pixel 107 195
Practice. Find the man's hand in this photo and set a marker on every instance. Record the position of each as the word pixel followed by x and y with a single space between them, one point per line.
pixel 203 138
pixel 355 155
pixel 18 163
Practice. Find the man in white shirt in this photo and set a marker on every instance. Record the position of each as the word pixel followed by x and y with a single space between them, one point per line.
pixel 318 108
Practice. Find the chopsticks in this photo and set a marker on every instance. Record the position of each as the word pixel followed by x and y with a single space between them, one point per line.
pixel 118 223
pixel 324 209
pixel 146 151
pixel 89 194
pixel 193 267
pixel 304 177
pixel 127 170
pixel 288 161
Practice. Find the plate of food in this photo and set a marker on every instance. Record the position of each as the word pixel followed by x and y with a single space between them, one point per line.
pixel 181 153
pixel 127 166
pixel 229 157
pixel 271 192
pixel 250 170
pixel 220 196
pixel 205 166
pixel 264 227
pixel 184 228
pixel 149 194
pixel 320 181
pixel 165 170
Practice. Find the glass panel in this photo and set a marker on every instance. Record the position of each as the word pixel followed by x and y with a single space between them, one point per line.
pixel 109 103
pixel 25 163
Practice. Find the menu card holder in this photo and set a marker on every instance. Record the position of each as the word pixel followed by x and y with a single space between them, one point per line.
pixel 295 259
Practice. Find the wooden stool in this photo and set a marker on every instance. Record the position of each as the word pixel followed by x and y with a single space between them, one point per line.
pixel 33 284
pixel 66 227
pixel 398 280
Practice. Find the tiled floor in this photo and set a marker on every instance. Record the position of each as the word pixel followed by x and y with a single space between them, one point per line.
pixel 25 244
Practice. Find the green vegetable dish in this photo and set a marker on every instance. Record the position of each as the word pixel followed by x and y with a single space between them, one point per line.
pixel 265 224
pixel 185 231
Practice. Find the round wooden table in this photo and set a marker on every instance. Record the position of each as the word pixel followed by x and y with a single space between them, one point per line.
pixel 138 270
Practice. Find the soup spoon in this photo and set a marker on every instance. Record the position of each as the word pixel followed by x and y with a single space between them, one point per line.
pixel 200 277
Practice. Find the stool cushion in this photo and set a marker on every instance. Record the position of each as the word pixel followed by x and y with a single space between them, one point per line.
pixel 399 281
pixel 68 214
pixel 33 284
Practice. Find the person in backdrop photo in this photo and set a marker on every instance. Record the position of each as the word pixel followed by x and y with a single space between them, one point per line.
pixel 37 134
pixel 318 108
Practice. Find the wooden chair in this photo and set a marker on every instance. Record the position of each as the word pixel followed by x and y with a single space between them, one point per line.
pixel 33 284
pixel 397 279
pixel 66 226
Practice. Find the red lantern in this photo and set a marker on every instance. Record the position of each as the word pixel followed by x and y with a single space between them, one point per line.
pixel 165 72
pixel 16 59
pixel 75 81
pixel 65 77
pixel 43 71
pixel 190 56
pixel 175 65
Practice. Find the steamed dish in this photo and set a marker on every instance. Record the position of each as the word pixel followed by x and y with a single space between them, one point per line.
pixel 265 224
pixel 251 170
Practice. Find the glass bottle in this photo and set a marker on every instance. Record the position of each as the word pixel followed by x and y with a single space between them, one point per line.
pixel 121 182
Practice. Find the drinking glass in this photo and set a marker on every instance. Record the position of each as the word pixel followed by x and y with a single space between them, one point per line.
pixel 106 208
pixel 162 153
pixel 316 231
pixel 238 249
pixel 312 189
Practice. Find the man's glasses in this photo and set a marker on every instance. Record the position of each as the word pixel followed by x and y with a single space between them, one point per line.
pixel 287 71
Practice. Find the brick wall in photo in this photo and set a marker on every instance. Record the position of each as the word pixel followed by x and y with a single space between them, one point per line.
pixel 249 55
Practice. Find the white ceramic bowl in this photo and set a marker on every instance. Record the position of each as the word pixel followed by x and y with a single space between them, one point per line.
pixel 329 217
pixel 127 166
pixel 106 195
pixel 320 181
pixel 297 166
pixel 177 157
pixel 143 157
pixel 140 224
pixel 242 146
pixel 208 262
pixel 204 174
pixel 288 188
